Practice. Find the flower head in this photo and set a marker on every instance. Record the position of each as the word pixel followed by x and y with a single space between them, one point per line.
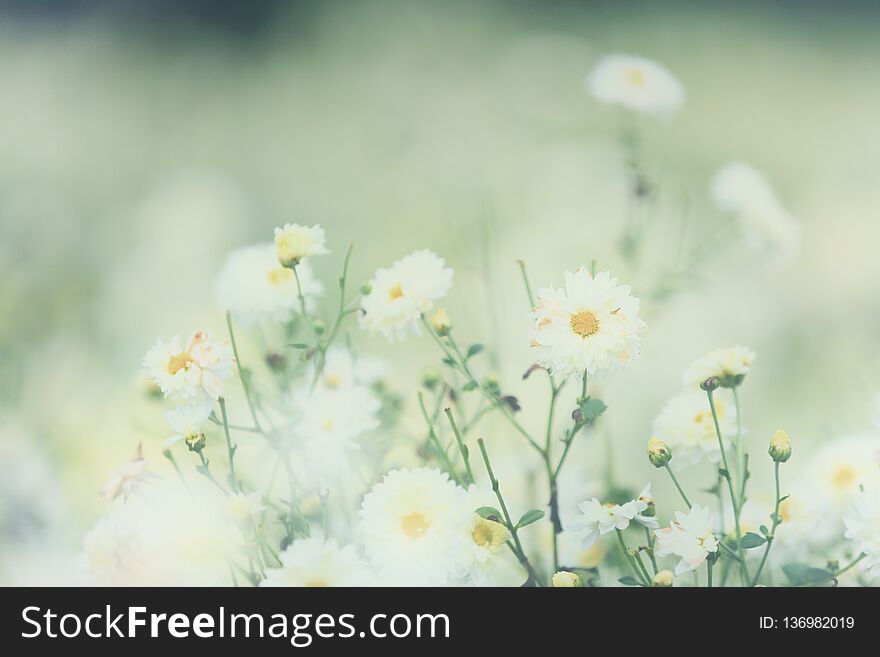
pixel 565 579
pixel 187 422
pixel 637 84
pixel 863 528
pixel 482 550
pixel 591 325
pixel 729 366
pixel 780 447
pixel 659 453
pixel 314 562
pixel 685 424
pixel 598 519
pixel 190 371
pixel 294 242
pixel 663 579
pixel 241 507
pixel 400 294
pixel 688 537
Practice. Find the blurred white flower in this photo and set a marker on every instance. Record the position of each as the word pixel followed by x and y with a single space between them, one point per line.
pixel 399 295
pixel 187 421
pixel 342 369
pixel 688 537
pixel 685 424
pixel 254 286
pixel 294 242
pixel 729 365
pixel 241 507
pixel 842 467
pixel 863 528
pixel 742 190
pixel 314 562
pixel 598 519
pixel 592 325
pixel 411 525
pixel 193 372
pixel 127 477
pixel 637 84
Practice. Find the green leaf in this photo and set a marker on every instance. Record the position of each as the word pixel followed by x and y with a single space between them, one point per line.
pixel 297 345
pixel 489 513
pixel 800 574
pixel 752 540
pixel 470 385
pixel 473 350
pixel 764 530
pixel 449 361
pixel 591 409
pixel 529 517
pixel 629 581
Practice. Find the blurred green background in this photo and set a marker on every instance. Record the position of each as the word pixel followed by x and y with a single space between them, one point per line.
pixel 138 145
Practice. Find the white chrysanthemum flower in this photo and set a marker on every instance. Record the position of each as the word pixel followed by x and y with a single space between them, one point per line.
pixel 411 524
pixel 839 470
pixel 729 365
pixel 685 424
pixel 241 507
pixel 254 286
pixel 740 189
pixel 294 242
pixel 343 370
pixel 637 84
pixel 592 325
pixel 402 293
pixel 190 372
pixel 688 537
pixel 482 554
pixel 187 422
pixel 316 563
pixel 598 519
pixel 863 528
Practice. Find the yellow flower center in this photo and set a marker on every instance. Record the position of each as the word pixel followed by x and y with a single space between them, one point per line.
pixel 332 380
pixel 179 362
pixel 635 77
pixel 395 292
pixel 584 323
pixel 844 476
pixel 279 275
pixel 414 525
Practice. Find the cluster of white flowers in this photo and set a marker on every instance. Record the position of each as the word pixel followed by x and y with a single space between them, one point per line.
pixel 863 528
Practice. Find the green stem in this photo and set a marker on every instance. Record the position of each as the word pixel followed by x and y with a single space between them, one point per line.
pixel 322 354
pixel 206 471
pixel 465 453
pixel 852 563
pixel 242 374
pixel 525 277
pixel 432 437
pixel 230 449
pixel 650 538
pixel 772 534
pixel 678 486
pixel 632 564
pixel 741 463
pixel 709 572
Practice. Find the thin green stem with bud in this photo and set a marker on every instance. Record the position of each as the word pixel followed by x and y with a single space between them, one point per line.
pixel 642 577
pixel 242 375
pixel 441 453
pixel 465 453
pixel 677 485
pixel 776 520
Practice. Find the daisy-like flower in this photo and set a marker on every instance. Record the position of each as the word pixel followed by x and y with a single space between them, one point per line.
pixel 316 563
pixel 126 478
pixel 187 422
pixel 241 507
pixel 484 541
pixel 190 371
pixel 863 528
pixel 254 286
pixel 688 537
pixel 843 467
pixel 685 424
pixel 411 524
pixel 598 519
pixel 637 84
pixel 729 366
pixel 742 190
pixel 294 242
pixel 400 294
pixel 592 325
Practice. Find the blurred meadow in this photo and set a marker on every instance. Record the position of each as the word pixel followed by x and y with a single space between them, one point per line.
pixel 138 147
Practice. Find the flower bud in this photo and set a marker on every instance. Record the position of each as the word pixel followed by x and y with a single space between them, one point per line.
pixel 440 322
pixel 275 361
pixel 431 378
pixel 651 510
pixel 780 447
pixel 662 579
pixel 366 288
pixel 566 579
pixel 195 441
pixel 710 384
pixel 659 453
pixel 319 326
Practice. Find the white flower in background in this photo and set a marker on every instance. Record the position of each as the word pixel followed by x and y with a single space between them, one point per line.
pixel 742 190
pixel 400 294
pixel 591 325
pixel 598 519
pixel 688 537
pixel 863 528
pixel 411 525
pixel 187 422
pixel 254 286
pixel 127 477
pixel 294 242
pixel 637 84
pixel 483 549
pixel 192 371
pixel 841 468
pixel 729 365
pixel 342 369
pixel 685 424
pixel 317 563
pixel 241 507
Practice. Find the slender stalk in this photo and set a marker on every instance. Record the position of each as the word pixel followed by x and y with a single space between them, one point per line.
pixel 730 553
pixel 168 455
pixel 742 464
pixel 851 564
pixel 709 572
pixel 465 453
pixel 230 448
pixel 444 457
pixel 525 277
pixel 322 355
pixel 205 470
pixel 772 534
pixel 520 553
pixel 650 538
pixel 678 486
pixel 632 564
pixel 242 375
